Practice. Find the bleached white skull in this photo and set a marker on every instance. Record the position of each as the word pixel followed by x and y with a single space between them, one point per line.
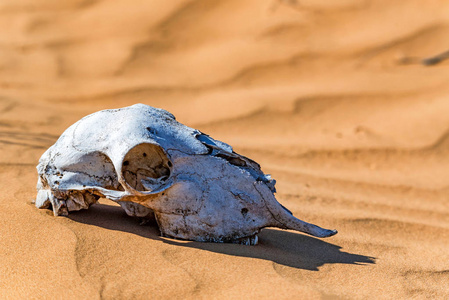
pixel 196 188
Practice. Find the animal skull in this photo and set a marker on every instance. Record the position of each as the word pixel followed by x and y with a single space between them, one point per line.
pixel 196 188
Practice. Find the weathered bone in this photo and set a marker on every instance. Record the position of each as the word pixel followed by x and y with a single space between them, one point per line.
pixel 196 188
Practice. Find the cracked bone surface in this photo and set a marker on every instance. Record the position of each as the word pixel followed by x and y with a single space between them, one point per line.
pixel 196 188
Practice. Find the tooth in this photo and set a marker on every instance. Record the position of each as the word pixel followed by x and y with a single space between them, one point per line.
pixel 254 240
pixel 59 206
pixel 43 199
pixel 248 241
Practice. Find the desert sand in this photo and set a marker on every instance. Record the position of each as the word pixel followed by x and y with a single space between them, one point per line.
pixel 345 103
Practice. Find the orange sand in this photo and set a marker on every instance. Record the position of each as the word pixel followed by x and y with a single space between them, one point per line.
pixel 330 97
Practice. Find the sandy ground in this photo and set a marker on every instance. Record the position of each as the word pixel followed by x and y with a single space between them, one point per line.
pixel 345 103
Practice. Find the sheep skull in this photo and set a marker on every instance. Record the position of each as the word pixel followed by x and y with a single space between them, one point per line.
pixel 196 188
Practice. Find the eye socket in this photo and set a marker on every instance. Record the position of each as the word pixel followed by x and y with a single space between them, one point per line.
pixel 92 169
pixel 146 167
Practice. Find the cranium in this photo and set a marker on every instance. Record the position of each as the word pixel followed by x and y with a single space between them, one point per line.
pixel 196 188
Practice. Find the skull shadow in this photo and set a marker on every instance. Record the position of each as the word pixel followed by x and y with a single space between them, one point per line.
pixel 278 246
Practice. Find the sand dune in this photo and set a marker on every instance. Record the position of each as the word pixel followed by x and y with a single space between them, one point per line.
pixel 344 102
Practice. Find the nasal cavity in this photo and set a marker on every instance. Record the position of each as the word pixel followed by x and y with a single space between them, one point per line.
pixel 146 167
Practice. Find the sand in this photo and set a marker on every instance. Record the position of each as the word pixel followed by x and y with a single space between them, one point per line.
pixel 345 103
